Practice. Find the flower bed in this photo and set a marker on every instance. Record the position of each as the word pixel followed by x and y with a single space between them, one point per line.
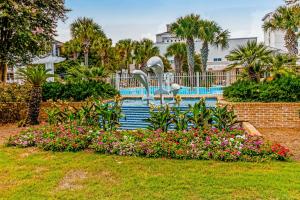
pixel 212 144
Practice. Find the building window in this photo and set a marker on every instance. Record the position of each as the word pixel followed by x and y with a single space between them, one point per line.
pixel 217 59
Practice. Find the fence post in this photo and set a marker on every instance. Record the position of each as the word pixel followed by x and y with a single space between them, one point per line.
pixel 228 78
pixel 197 79
pixel 117 81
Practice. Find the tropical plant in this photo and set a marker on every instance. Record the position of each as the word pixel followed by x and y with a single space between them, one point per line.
pixel 26 29
pixel 283 89
pixel 72 48
pixel 85 31
pixel 180 119
pixel 282 65
pixel 187 28
pixel 78 90
pixel 286 19
pixel 36 76
pixel 125 48
pixel 253 56
pixel 211 34
pixel 97 74
pixel 178 51
pixel 103 47
pixel 160 118
pixel 223 118
pixel 200 116
pixel 109 114
pixel 143 51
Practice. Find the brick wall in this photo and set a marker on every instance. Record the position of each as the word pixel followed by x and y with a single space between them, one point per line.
pixel 267 115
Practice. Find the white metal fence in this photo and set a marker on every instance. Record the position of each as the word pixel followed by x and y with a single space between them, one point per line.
pixel 198 83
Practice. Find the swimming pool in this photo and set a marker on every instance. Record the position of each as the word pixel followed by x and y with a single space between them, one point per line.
pixel 215 90
pixel 136 102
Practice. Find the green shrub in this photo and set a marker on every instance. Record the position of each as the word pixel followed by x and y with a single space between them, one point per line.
pixel 285 89
pixel 13 100
pixel 78 91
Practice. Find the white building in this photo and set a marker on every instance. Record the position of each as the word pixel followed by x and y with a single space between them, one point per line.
pixel 275 39
pixel 217 56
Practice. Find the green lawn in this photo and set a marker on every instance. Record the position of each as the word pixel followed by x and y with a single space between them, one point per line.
pixel 34 174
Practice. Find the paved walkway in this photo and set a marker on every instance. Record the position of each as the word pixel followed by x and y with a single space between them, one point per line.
pixel 286 136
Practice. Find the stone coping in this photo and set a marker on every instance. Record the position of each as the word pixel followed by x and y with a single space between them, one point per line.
pixel 223 101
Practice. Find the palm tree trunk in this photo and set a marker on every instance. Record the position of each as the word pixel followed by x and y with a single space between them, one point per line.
pixel 177 64
pixel 3 72
pixel 34 106
pixel 204 56
pixel 252 75
pixel 191 59
pixel 86 59
pixel 291 42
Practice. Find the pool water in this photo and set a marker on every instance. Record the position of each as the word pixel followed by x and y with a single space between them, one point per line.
pixel 210 102
pixel 183 90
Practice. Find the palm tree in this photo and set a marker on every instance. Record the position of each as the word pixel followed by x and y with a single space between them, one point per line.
pixel 143 51
pixel 282 65
pixel 89 74
pixel 178 51
pixel 72 47
pixel 85 30
pixel 187 28
pixel 124 48
pixel 36 76
pixel 253 57
pixel 103 47
pixel 286 19
pixel 211 34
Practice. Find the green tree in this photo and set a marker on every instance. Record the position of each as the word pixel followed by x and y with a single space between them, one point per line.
pixel 211 34
pixel 85 31
pixel 102 47
pixel 72 49
pixel 143 51
pixel 124 49
pixel 77 74
pixel 282 65
pixel 286 19
pixel 253 56
pixel 36 76
pixel 26 30
pixel 178 51
pixel 187 28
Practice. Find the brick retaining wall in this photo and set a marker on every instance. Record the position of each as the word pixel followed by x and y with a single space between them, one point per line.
pixel 267 115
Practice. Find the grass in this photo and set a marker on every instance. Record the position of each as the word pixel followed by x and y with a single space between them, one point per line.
pixel 34 174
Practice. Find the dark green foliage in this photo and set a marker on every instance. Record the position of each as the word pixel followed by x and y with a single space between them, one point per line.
pixel 285 89
pixel 160 118
pixel 63 67
pixel 78 91
pixel 201 116
pixel 224 119
pixel 92 113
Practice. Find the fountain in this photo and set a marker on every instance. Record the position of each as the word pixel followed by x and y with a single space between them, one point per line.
pixel 156 65
pixel 143 79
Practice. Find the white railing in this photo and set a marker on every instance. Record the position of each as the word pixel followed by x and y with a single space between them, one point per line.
pixel 205 83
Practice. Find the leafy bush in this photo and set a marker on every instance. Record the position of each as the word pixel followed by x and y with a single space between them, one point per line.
pixel 197 116
pixel 284 89
pixel 92 113
pixel 208 144
pixel 78 91
pixel 13 99
pixel 14 93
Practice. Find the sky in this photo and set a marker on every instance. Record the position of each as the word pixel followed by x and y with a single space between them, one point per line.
pixel 138 19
